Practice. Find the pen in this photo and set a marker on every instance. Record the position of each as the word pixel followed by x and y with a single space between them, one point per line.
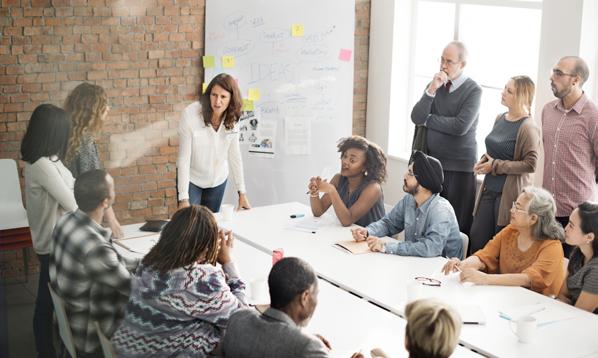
pixel 295 216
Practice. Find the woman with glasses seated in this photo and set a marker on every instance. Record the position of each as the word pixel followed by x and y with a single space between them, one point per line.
pixel 356 192
pixel 526 253
pixel 581 287
pixel 511 155
pixel 180 300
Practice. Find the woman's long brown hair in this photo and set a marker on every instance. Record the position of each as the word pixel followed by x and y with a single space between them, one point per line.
pixel 233 111
pixel 191 235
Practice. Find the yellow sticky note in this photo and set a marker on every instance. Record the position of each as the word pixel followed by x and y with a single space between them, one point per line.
pixel 254 94
pixel 209 62
pixel 297 30
pixel 247 104
pixel 228 61
pixel 204 87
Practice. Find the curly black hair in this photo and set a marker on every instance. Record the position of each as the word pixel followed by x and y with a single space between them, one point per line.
pixel 375 160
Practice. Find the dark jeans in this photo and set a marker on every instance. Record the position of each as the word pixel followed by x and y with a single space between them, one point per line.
pixel 208 197
pixel 42 316
pixel 567 249
pixel 484 225
pixel 459 189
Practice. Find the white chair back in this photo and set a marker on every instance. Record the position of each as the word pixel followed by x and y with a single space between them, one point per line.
pixel 64 327
pixel 107 347
pixel 12 212
pixel 465 242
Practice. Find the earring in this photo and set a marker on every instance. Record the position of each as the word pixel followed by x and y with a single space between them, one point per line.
pixel 365 173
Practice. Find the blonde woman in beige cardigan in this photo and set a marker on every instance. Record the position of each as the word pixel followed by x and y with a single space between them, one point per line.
pixel 511 156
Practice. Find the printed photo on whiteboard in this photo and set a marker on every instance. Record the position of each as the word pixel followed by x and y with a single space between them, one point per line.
pixel 261 141
pixel 297 135
pixel 248 125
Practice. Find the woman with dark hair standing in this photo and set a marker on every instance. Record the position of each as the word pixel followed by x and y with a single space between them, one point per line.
pixel 510 159
pixel 88 108
pixel 356 192
pixel 209 146
pixel 581 287
pixel 48 194
pixel 181 301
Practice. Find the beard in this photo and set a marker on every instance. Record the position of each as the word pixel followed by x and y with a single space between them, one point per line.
pixel 410 190
pixel 563 92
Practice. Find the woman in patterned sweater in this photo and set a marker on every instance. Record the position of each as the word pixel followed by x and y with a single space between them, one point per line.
pixel 180 300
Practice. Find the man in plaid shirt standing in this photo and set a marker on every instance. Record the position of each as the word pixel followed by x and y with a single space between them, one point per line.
pixel 85 269
pixel 570 135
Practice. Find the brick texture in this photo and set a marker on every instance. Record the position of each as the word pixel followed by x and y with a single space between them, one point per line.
pixel 147 55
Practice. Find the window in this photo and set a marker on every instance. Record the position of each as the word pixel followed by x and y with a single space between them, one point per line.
pixel 503 39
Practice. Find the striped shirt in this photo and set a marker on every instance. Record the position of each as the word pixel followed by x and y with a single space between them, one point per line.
pixel 581 277
pixel 570 152
pixel 90 276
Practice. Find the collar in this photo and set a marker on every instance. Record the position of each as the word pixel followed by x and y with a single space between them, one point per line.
pixel 577 107
pixel 82 217
pixel 457 82
pixel 424 207
pixel 279 315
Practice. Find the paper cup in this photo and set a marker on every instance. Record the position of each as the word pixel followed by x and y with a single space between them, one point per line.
pixel 227 211
pixel 525 328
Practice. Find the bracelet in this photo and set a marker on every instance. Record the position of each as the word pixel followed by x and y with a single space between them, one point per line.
pixel 314 195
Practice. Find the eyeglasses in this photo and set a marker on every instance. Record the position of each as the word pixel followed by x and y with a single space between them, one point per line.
pixel 558 73
pixel 410 173
pixel 444 61
pixel 514 207
pixel 427 281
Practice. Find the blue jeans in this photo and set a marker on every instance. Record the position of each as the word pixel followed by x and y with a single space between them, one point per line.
pixel 42 316
pixel 208 197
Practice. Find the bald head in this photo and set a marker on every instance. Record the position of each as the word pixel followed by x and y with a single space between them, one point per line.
pixel 578 66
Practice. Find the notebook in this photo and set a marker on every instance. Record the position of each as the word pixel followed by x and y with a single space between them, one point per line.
pixel 353 247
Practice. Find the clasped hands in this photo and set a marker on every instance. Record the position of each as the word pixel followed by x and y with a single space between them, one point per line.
pixel 318 185
pixel 484 165
pixel 467 274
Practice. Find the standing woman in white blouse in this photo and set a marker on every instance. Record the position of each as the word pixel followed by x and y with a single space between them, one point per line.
pixel 209 146
pixel 48 194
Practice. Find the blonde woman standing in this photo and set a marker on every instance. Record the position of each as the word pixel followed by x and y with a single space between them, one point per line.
pixel 511 156
pixel 88 108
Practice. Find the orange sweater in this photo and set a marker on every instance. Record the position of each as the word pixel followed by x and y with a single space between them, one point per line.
pixel 542 262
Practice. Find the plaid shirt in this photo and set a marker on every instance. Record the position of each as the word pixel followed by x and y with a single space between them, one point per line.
pixel 570 152
pixel 90 276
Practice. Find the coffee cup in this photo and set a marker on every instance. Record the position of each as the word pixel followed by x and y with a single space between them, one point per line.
pixel 227 211
pixel 525 328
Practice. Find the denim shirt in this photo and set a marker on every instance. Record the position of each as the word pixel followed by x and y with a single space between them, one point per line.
pixel 430 230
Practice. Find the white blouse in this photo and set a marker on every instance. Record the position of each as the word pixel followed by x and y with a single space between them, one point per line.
pixel 205 155
pixel 48 194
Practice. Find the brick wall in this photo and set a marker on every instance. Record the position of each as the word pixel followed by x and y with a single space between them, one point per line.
pixel 146 54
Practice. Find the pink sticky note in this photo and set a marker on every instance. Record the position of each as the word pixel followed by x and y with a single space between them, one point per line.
pixel 345 55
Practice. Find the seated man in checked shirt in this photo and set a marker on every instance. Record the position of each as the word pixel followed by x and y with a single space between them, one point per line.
pixel 85 269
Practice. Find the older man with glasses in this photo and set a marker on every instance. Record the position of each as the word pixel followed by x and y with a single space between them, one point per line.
pixel 570 135
pixel 449 109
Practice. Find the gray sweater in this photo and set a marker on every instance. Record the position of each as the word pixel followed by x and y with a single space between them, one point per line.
pixel 452 119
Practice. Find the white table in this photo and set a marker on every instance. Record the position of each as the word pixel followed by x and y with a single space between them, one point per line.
pixel 348 322
pixel 382 279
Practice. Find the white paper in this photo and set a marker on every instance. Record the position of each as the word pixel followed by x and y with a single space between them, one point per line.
pixel 261 141
pixel 297 135
pixel 140 245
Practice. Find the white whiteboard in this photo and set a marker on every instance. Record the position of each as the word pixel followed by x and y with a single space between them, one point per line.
pixel 305 78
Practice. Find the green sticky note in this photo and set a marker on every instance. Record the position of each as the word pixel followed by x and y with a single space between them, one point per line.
pixel 228 61
pixel 247 104
pixel 297 30
pixel 254 94
pixel 209 62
